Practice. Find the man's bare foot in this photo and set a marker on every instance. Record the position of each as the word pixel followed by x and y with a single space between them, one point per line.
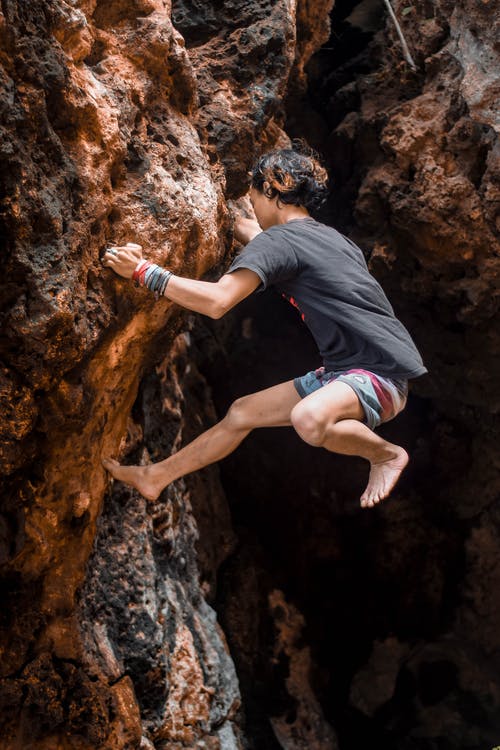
pixel 136 476
pixel 383 477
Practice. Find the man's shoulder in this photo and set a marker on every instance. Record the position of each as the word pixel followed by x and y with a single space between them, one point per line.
pixel 273 238
pixel 308 227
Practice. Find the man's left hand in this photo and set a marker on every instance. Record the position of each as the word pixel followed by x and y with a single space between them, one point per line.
pixel 245 229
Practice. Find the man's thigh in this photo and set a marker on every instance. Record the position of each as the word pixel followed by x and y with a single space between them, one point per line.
pixel 270 407
pixel 334 401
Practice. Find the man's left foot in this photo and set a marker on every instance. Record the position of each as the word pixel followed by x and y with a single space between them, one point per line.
pixel 383 477
pixel 139 477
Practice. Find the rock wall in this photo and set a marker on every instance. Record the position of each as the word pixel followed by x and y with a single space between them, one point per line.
pixel 136 120
pixel 121 120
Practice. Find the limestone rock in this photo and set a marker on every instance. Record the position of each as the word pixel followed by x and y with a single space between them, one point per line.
pixel 116 125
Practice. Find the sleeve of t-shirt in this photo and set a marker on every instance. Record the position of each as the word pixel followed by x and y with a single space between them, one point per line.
pixel 270 256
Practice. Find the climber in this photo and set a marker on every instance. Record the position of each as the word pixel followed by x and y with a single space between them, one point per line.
pixel 368 354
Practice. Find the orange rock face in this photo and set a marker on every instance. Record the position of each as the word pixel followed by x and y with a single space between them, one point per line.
pixel 122 120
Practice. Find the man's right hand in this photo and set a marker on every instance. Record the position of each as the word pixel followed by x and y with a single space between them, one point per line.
pixel 245 229
pixel 123 259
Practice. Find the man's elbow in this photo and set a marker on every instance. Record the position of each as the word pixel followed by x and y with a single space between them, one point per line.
pixel 226 296
pixel 218 310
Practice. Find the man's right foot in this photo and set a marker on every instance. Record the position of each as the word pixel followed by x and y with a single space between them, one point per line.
pixel 138 477
pixel 383 477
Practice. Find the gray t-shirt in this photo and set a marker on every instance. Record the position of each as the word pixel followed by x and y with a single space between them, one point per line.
pixel 325 275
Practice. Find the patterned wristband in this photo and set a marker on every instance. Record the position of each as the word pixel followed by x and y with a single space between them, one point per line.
pixel 151 276
pixel 157 278
pixel 140 270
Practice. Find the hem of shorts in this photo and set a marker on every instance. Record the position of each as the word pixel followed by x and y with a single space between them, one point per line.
pixel 359 393
pixel 298 387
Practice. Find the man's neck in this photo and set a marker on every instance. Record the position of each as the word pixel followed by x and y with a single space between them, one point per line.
pixel 284 214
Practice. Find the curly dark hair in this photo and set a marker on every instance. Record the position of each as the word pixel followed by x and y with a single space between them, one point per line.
pixel 294 174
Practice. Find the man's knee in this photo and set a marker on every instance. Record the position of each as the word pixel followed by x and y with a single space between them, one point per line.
pixel 308 424
pixel 239 414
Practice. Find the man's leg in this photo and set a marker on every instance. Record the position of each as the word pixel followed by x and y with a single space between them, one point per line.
pixel 331 418
pixel 268 408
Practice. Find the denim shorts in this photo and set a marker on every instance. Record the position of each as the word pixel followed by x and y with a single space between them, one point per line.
pixel 381 398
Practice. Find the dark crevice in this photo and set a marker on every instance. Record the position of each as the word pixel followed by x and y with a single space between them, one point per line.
pixel 391 576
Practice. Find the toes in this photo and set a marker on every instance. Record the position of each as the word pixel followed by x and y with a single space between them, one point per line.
pixel 370 499
pixel 109 462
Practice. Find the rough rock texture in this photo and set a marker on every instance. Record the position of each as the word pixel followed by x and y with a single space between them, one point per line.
pixel 111 130
pixel 142 610
pixel 136 120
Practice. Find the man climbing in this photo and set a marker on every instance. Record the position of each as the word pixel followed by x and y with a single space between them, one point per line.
pixel 368 354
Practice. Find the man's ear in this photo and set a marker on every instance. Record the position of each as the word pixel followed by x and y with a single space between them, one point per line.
pixel 267 190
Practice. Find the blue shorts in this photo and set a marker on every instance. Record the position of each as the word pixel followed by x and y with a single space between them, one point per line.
pixel 381 398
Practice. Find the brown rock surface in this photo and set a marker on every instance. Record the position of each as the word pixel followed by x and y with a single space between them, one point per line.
pixel 114 127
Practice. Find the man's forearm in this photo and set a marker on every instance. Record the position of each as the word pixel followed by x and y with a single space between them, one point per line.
pixel 204 297
pixel 208 298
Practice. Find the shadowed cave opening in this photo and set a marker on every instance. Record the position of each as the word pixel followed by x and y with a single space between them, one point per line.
pixel 357 577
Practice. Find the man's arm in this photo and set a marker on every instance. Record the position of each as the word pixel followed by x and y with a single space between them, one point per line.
pixel 209 298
